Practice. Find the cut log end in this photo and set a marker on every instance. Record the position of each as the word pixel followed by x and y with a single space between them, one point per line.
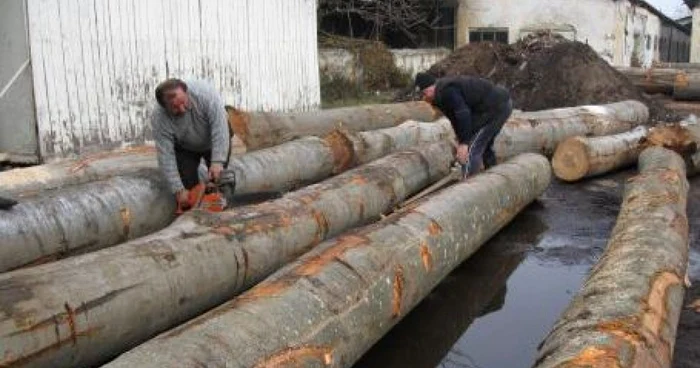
pixel 238 121
pixel 571 160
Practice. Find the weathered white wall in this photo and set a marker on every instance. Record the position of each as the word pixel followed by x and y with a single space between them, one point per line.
pixel 412 61
pixel 17 121
pixel 695 38
pixel 96 63
pixel 600 23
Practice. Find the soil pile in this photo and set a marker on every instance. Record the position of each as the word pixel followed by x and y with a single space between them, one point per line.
pixel 545 71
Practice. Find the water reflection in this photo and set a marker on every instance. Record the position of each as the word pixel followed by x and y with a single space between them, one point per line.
pixel 476 288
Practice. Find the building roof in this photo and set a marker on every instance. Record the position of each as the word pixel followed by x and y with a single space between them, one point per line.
pixel 664 18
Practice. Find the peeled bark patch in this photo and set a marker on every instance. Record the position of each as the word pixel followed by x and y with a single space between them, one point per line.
pixel 580 157
pixel 126 294
pixel 627 312
pixel 260 130
pixel 369 279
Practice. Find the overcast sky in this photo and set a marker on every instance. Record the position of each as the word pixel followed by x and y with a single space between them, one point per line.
pixel 670 7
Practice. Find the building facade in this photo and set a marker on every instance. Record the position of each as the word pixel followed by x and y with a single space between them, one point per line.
pixel 78 76
pixel 624 32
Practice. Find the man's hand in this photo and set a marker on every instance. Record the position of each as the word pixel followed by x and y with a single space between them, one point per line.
pixel 215 172
pixel 183 198
pixel 462 153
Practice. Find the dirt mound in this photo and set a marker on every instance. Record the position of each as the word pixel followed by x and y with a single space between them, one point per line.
pixel 546 71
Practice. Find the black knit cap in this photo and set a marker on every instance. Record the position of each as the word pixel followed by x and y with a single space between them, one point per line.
pixel 424 80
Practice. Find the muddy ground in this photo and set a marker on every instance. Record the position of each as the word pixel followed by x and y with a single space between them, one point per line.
pixel 495 309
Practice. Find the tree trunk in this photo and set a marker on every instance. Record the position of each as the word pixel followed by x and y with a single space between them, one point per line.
pixel 580 157
pixel 83 218
pixel 260 130
pixel 330 306
pixel 83 310
pixel 627 312
pixel 542 131
pixel 26 182
pixel 653 80
pixel 280 169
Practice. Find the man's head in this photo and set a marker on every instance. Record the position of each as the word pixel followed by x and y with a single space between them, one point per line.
pixel 172 96
pixel 425 83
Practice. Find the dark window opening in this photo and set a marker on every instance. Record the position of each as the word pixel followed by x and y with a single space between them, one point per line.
pixel 499 35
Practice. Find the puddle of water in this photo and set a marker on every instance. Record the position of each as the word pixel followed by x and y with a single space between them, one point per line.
pixel 537 295
pixel 497 307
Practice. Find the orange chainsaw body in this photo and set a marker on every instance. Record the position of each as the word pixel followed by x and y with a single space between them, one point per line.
pixel 204 197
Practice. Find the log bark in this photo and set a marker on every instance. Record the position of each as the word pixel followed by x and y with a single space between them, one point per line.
pixel 259 130
pixel 83 218
pixel 581 157
pixel 627 312
pixel 330 306
pixel 27 182
pixel 542 131
pixel 83 310
pixel 280 168
pixel 653 80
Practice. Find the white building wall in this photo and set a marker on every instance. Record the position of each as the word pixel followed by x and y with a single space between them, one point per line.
pixel 96 63
pixel 600 23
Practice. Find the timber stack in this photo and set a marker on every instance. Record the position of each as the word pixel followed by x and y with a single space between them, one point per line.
pixel 335 230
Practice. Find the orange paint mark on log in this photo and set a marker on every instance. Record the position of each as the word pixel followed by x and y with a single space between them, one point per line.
pixel 125 214
pixel 322 226
pixel 70 317
pixel 358 180
pixel 239 121
pixel 398 292
pixel 224 230
pixel 434 228
pixel 342 149
pixel 426 256
pixel 298 356
pixel 314 264
pixel 595 357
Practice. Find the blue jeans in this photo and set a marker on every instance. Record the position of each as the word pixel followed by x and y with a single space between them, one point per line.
pixel 481 146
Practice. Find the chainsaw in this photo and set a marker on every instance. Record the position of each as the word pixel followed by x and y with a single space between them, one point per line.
pixel 204 197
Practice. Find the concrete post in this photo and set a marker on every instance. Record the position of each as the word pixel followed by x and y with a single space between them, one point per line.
pixel 695 37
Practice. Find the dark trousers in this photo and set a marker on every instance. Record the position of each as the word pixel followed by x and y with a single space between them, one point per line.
pixel 188 163
pixel 481 146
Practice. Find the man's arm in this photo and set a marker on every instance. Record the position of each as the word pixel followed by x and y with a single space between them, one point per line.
pixel 218 118
pixel 165 146
pixel 463 124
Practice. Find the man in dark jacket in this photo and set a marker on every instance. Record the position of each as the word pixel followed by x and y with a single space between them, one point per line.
pixel 477 110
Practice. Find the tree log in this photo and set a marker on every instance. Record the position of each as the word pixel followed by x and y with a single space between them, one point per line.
pixel 330 306
pixel 542 131
pixel 280 169
pixel 627 312
pixel 259 130
pixel 81 311
pixel 686 87
pixel 653 80
pixel 83 218
pixel 580 157
pixel 27 182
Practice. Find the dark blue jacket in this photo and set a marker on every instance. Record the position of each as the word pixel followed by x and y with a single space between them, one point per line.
pixel 467 102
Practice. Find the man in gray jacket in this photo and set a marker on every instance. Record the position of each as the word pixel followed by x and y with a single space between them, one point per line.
pixel 190 124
